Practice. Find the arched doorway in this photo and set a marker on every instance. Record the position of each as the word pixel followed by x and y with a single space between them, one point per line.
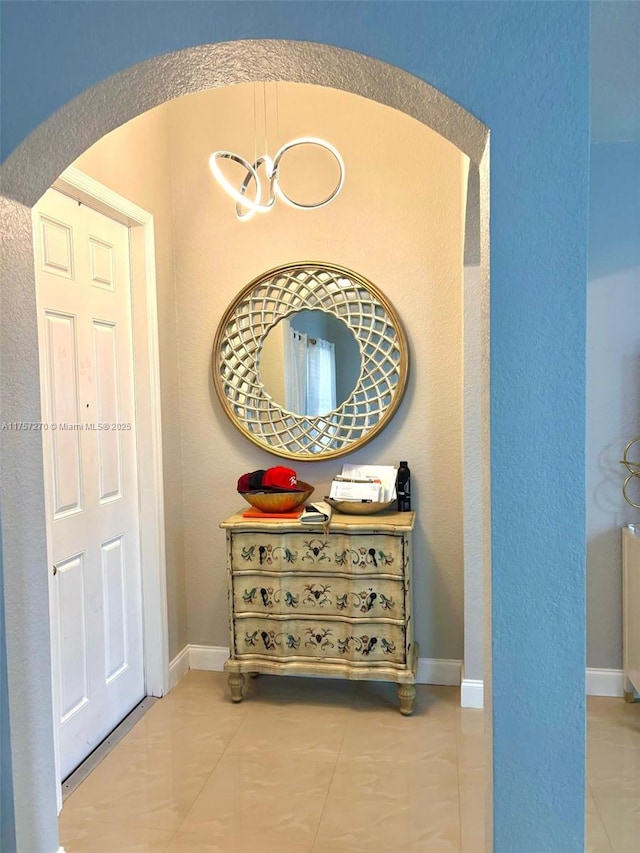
pixel 33 168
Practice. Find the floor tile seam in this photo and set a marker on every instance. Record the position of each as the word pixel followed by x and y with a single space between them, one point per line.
pixel 165 728
pixel 595 750
pixel 170 841
pixel 244 835
pixel 607 798
pixel 615 782
pixel 595 741
pixel 160 751
pixel 406 802
pixel 333 774
pixel 469 746
pixel 601 818
pixel 200 790
pixel 117 824
pixel 606 736
pixel 232 749
pixel 271 753
pixel 329 848
pixel 398 844
pixel 288 849
pixel 250 721
pixel 135 822
pixel 177 746
pixel 484 816
pixel 79 822
pixel 293 728
pixel 305 717
pixel 393 761
pixel 196 707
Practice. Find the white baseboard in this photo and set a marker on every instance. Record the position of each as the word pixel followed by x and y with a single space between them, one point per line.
pixel 179 666
pixel 212 658
pixel 599 682
pixel 472 693
pixel 605 682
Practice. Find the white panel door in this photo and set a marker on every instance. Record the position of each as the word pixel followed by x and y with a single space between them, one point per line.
pixel 86 363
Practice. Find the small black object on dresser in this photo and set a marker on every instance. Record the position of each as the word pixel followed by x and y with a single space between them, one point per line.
pixel 403 487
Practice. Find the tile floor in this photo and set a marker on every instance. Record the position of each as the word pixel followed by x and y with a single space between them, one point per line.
pixel 323 766
pixel 613 776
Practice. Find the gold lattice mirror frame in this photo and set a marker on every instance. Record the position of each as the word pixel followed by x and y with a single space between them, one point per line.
pixel 266 301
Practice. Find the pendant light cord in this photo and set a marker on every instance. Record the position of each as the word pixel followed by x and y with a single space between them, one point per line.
pixel 246 206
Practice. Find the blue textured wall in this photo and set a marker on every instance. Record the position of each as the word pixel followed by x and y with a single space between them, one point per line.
pixel 7 818
pixel 523 69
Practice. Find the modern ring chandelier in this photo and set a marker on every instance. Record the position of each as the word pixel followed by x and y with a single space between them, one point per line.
pixel 245 206
pixel 264 197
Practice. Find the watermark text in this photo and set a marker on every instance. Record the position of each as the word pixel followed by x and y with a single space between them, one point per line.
pixel 41 426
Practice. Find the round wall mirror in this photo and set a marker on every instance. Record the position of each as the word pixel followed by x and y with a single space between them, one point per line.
pixel 310 361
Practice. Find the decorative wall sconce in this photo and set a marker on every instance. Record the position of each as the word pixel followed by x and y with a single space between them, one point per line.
pixel 246 207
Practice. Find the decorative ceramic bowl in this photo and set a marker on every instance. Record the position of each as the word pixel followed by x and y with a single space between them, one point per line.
pixel 359 508
pixel 279 501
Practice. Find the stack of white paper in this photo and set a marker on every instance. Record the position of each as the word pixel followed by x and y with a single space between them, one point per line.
pixel 378 481
pixel 355 490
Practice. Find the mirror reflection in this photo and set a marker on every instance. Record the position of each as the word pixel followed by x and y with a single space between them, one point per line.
pixel 309 362
pixel 256 377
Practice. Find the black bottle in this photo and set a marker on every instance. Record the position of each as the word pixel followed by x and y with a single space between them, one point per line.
pixel 403 487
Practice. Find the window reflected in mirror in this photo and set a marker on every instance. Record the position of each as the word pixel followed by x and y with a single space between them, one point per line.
pixel 310 363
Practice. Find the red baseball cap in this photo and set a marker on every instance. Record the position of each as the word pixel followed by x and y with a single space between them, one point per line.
pixel 277 479
pixel 281 479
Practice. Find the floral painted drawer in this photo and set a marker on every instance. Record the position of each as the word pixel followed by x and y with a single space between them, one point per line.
pixel 317 552
pixel 354 640
pixel 332 602
pixel 332 596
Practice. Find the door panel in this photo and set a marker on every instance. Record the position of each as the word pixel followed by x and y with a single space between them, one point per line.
pixel 84 307
pixel 57 253
pixel 72 638
pixel 114 590
pixel 62 392
pixel 105 345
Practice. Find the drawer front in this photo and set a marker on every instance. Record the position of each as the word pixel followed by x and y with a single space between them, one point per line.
pixel 309 594
pixel 355 641
pixel 305 552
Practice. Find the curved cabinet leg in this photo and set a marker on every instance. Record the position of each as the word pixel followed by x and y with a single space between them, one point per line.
pixel 236 685
pixel 406 695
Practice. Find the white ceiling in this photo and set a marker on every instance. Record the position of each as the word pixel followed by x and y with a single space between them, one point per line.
pixel 615 70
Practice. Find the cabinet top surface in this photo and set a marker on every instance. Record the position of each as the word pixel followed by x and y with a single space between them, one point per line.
pixel 382 522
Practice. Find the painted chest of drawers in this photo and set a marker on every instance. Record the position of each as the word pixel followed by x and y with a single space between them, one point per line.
pixel 333 601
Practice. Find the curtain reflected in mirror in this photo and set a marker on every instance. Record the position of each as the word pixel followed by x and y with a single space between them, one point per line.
pixel 310 363
pixel 309 373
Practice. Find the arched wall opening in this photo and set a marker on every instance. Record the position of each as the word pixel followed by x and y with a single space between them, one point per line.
pixel 34 167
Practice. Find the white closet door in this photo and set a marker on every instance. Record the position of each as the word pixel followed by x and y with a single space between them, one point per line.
pixel 91 488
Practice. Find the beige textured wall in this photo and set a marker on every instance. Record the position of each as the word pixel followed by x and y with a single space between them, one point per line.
pixel 398 222
pixel 134 161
